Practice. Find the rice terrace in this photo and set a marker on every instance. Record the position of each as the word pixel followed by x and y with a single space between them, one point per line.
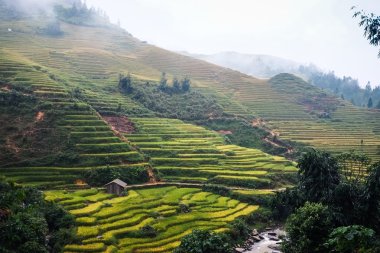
pixel 110 143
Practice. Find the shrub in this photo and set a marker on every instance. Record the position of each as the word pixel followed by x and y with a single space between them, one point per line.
pixel 239 230
pixel 131 175
pixel 200 241
pixel 308 229
pixel 183 208
pixel 351 239
pixel 147 231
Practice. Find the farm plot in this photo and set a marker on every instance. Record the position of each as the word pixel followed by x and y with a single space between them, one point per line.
pixel 187 153
pixel 109 223
pixel 94 143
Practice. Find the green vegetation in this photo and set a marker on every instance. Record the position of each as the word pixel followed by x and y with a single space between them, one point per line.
pixel 146 220
pixel 338 201
pixel 30 224
pixel 308 228
pixel 202 242
pixel 352 238
pixel 79 14
pixel 101 176
pixel 171 101
pixel 237 130
pixel 371 25
pixel 59 90
pixel 188 153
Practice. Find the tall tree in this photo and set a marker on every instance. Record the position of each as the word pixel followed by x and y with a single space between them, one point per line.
pixel 176 85
pixel 163 82
pixel 125 83
pixel 370 103
pixel 373 197
pixel 319 175
pixel 185 83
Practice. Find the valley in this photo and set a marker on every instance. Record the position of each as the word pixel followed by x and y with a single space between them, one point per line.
pixel 210 156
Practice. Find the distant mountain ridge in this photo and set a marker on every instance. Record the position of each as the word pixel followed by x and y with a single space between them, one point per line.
pixel 267 66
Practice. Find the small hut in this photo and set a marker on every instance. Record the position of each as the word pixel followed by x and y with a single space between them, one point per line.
pixel 115 187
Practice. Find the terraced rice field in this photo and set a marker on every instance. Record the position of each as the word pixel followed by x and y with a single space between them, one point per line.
pixel 188 153
pixel 108 224
pixel 92 139
pixel 75 61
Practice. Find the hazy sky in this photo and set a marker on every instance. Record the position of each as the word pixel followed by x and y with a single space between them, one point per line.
pixel 322 32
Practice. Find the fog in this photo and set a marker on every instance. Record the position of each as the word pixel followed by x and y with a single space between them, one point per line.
pixel 322 32
pixel 32 6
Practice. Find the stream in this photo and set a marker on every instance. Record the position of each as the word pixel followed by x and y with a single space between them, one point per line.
pixel 266 244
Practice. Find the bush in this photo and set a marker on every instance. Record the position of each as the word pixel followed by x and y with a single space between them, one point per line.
pixel 32 247
pixel 147 231
pixel 239 230
pixel 189 105
pixel 308 229
pixel 132 175
pixel 351 239
pixel 200 241
pixel 183 208
pixel 217 189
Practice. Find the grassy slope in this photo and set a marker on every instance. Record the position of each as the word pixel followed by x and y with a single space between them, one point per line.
pixel 92 58
pixel 76 58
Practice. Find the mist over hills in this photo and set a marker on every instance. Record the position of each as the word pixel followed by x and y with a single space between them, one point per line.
pixel 262 66
pixel 267 66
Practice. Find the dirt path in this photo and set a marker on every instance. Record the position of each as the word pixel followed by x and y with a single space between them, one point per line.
pixel 152 176
pixel 273 134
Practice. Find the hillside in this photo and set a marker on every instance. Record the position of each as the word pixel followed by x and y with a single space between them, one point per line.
pixel 267 66
pixel 75 61
pixel 82 102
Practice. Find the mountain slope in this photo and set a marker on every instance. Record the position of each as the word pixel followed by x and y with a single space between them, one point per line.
pixel 92 58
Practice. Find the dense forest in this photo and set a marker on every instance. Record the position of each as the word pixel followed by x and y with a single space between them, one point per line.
pixel 345 87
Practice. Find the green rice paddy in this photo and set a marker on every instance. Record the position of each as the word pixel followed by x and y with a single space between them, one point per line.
pixel 110 223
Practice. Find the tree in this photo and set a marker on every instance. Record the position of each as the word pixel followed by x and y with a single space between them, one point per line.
pixel 370 103
pixel 239 230
pixel 308 229
pixel 185 84
pixel 53 28
pixel 371 24
pixel 163 86
pixel 373 197
pixel 27 221
pixel 378 105
pixel 318 176
pixel 351 239
pixel 201 241
pixel 125 83
pixel 176 85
